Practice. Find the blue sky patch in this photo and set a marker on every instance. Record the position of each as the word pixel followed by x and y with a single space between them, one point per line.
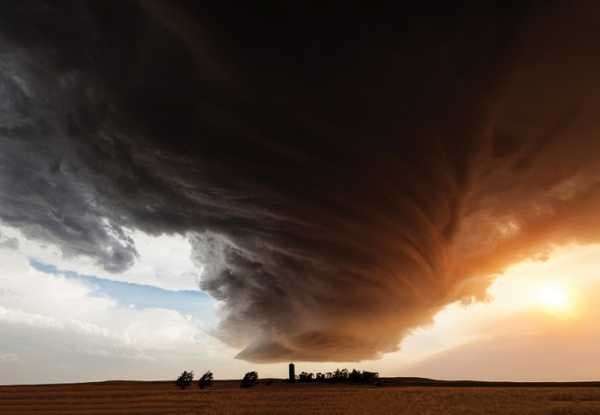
pixel 195 303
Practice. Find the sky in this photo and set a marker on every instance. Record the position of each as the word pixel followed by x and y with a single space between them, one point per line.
pixel 537 322
pixel 190 186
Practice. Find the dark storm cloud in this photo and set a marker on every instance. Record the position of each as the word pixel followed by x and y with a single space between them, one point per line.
pixel 342 175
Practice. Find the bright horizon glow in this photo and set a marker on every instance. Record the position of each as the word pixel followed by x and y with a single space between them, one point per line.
pixel 538 323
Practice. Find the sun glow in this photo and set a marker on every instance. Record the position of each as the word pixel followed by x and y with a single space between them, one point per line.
pixel 554 297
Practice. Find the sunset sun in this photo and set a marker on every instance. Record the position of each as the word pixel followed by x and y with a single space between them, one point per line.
pixel 554 297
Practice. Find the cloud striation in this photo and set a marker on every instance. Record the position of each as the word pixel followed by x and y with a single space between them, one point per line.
pixel 342 174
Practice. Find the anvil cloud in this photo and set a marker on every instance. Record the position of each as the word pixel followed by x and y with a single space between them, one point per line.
pixel 341 175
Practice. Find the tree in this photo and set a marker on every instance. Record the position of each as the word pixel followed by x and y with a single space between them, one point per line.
pixel 340 375
pixel 206 380
pixel 355 376
pixel 305 377
pixel 369 377
pixel 185 379
pixel 250 379
pixel 344 376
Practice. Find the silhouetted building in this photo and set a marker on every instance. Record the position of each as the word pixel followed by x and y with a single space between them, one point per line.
pixel 292 373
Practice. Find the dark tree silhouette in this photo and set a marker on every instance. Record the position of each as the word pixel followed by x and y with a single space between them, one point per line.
pixel 206 380
pixel 370 377
pixel 355 376
pixel 185 379
pixel 250 379
pixel 340 375
pixel 305 377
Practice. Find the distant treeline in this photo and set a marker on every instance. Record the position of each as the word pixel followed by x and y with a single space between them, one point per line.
pixel 250 379
pixel 339 376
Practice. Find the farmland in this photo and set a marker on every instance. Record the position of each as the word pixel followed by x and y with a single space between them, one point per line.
pixel 225 397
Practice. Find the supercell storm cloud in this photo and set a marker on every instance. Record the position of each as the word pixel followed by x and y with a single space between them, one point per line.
pixel 341 176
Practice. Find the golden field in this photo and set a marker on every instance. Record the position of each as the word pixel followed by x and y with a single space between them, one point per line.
pixel 279 398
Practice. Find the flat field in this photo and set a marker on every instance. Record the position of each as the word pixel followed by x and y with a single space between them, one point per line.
pixel 279 398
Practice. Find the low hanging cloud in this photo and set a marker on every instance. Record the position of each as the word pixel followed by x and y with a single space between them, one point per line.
pixel 340 180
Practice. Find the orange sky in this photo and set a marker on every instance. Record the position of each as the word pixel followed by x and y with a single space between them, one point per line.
pixel 540 322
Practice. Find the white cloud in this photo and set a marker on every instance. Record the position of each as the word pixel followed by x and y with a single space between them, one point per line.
pixel 164 261
pixel 56 329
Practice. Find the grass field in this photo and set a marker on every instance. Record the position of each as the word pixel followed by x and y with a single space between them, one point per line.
pixel 227 398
